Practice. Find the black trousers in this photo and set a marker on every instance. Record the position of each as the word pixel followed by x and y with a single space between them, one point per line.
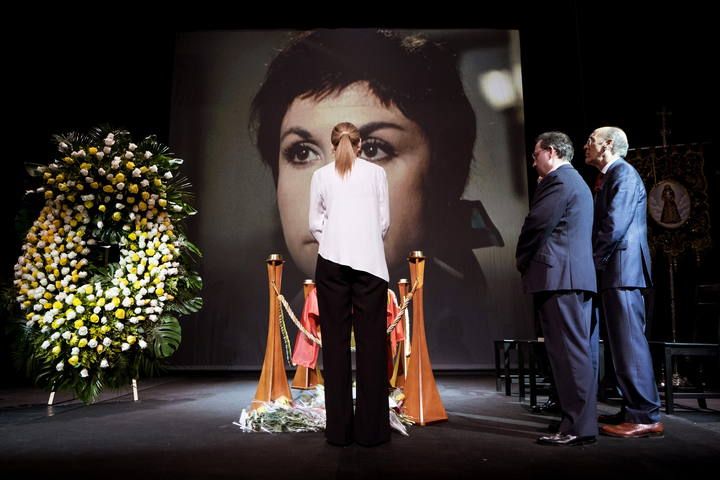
pixel 351 298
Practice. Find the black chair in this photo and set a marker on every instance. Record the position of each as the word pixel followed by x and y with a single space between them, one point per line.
pixel 666 353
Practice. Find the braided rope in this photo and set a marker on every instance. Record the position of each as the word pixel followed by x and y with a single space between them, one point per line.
pixel 404 306
pixel 285 305
pixel 314 339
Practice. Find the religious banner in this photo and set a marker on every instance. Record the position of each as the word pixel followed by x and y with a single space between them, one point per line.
pixel 678 209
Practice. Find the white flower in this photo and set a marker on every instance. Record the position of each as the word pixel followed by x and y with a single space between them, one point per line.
pixel 82 331
pixel 104 363
pixel 100 155
pixel 107 342
pixel 92 343
pixel 45 345
pixel 125 346
pixel 75 351
pixel 168 175
pixel 132 147
pixel 147 154
pixel 84 373
pixel 60 366
pixel 142 343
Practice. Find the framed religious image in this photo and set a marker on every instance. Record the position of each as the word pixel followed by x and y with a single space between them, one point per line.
pixel 669 204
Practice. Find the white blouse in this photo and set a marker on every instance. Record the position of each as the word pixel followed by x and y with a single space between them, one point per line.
pixel 350 216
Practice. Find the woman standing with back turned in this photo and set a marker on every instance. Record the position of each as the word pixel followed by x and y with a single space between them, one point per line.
pixel 349 217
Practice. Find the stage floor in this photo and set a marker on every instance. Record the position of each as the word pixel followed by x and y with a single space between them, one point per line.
pixel 182 428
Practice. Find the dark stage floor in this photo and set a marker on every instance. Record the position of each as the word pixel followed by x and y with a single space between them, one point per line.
pixel 182 428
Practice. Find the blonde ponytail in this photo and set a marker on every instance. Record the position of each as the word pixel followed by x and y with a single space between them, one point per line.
pixel 345 138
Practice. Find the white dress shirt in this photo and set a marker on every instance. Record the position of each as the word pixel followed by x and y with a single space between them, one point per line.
pixel 350 216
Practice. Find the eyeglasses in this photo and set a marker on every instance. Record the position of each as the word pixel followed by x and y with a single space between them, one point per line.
pixel 537 153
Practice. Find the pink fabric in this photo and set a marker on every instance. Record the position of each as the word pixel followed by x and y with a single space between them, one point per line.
pixel 305 352
pixel 398 333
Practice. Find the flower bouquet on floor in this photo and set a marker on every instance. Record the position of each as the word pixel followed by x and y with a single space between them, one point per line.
pixel 105 269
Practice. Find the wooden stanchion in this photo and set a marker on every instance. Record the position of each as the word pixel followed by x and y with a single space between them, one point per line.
pixel 422 399
pixel 400 362
pixel 273 382
pixel 307 378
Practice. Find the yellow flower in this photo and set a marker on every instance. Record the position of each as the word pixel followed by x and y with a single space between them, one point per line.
pixel 92 150
pixel 100 348
pixel 94 318
pixel 120 313
pixel 117 216
pixel 56 350
pixel 73 360
pixel 82 342
pixel 131 339
pixel 78 323
pixel 102 208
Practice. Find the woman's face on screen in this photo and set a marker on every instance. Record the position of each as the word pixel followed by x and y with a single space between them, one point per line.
pixel 388 138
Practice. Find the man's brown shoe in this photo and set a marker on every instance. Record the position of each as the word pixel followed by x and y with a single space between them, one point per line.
pixel 634 430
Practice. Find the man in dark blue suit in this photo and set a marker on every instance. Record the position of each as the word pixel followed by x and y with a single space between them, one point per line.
pixel 554 256
pixel 622 260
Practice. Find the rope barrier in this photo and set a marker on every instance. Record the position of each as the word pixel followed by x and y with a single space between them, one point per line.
pixel 314 339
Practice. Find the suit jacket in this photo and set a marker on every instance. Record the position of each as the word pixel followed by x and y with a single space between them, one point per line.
pixel 620 247
pixel 554 251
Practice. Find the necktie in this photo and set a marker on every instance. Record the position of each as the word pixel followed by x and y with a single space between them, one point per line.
pixel 599 180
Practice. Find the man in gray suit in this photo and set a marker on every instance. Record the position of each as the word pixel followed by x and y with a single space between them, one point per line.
pixel 622 260
pixel 554 257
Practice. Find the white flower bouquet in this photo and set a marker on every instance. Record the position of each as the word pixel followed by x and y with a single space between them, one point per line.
pixel 105 267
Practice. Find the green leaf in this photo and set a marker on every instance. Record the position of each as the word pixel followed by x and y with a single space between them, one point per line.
pixel 191 247
pixel 166 337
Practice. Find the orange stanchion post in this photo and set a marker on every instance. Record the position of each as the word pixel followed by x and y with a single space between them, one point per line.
pixel 422 399
pixel 307 378
pixel 400 362
pixel 273 382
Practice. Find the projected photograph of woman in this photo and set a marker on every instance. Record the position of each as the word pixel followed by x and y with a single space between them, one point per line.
pixel 406 95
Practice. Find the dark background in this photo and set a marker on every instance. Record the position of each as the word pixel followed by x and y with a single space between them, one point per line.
pixel 584 66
